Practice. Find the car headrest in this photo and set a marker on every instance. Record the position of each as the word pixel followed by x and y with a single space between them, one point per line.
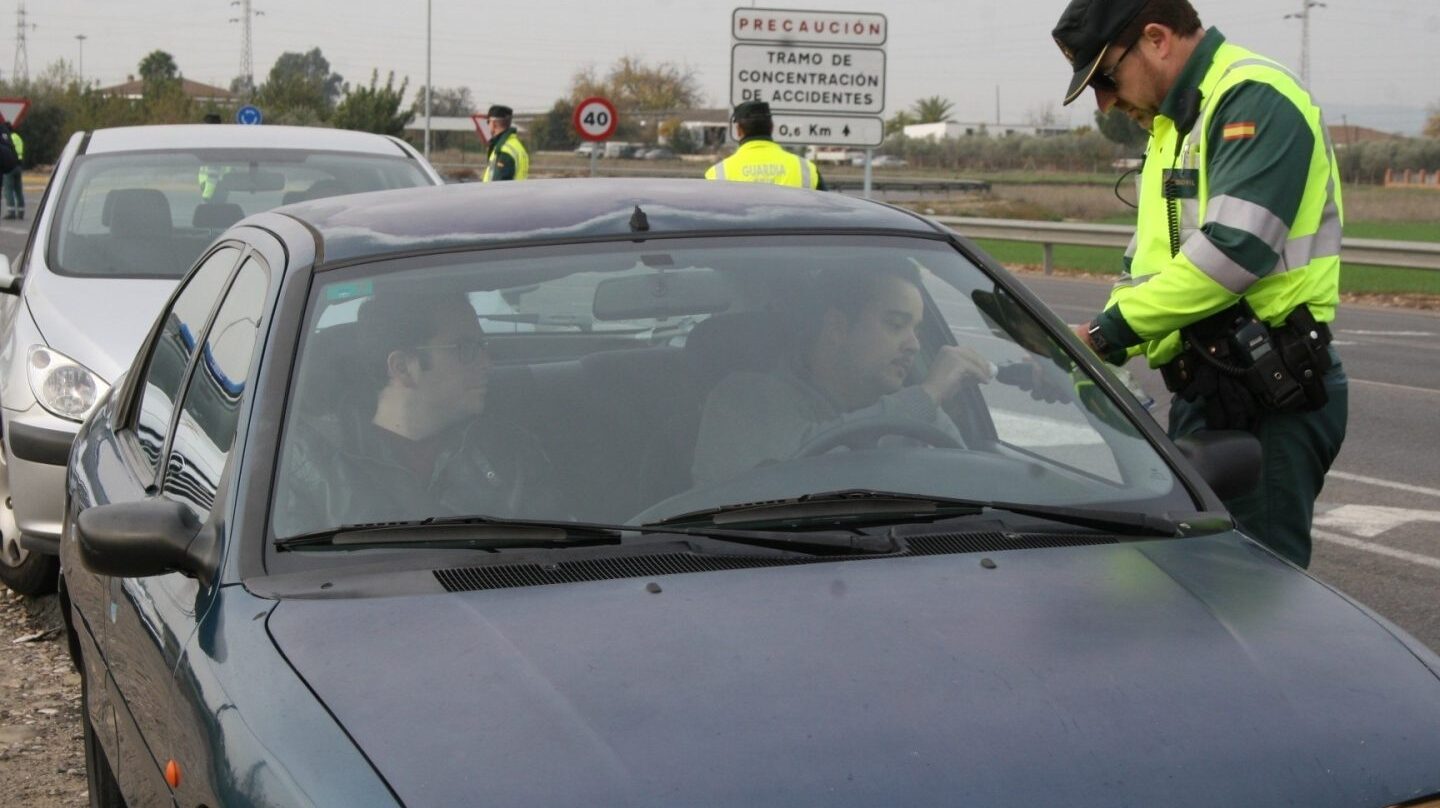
pixel 138 212
pixel 216 215
pixel 746 340
pixel 332 370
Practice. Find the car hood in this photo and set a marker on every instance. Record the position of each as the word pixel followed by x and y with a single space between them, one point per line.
pixel 98 322
pixel 1194 672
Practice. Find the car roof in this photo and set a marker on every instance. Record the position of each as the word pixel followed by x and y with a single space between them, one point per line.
pixel 232 136
pixel 482 214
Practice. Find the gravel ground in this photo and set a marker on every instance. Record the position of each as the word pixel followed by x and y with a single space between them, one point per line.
pixel 42 752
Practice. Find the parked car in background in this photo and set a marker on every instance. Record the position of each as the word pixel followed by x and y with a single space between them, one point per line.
pixel 126 213
pixel 1020 593
pixel 881 161
pixel 658 153
pixel 589 148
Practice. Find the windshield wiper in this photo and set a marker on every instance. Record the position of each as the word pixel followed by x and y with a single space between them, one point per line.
pixel 863 506
pixel 491 533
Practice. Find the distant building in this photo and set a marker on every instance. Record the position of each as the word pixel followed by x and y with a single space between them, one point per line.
pixel 134 89
pixel 948 130
pixel 1343 136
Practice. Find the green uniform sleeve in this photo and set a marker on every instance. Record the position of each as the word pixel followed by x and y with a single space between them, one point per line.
pixel 1259 165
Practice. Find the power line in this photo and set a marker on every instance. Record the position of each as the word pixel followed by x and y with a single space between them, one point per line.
pixel 247 51
pixel 1304 17
pixel 22 57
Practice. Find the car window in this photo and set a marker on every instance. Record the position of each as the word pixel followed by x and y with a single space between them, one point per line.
pixel 622 383
pixel 171 352
pixel 208 414
pixel 150 214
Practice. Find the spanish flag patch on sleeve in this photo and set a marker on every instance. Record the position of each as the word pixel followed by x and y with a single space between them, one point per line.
pixel 1238 131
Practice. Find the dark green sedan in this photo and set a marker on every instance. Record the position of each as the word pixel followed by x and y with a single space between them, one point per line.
pixel 673 493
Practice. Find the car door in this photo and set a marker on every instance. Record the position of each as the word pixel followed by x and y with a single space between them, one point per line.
pixel 176 445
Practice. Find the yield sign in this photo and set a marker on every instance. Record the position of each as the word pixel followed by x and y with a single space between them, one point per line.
pixel 14 109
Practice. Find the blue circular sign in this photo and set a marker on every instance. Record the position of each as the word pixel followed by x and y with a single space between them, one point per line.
pixel 248 115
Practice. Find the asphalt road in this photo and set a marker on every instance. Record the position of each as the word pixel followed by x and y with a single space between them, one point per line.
pixel 1377 528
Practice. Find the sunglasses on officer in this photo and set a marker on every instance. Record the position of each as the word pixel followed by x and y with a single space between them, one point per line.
pixel 1105 79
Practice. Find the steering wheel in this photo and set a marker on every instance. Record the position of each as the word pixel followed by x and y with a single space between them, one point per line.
pixel 865 433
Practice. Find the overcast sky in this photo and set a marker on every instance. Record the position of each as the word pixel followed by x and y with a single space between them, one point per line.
pixel 1369 58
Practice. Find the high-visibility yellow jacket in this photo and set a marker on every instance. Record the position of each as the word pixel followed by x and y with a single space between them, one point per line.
pixel 760 159
pixel 508 158
pixel 1257 211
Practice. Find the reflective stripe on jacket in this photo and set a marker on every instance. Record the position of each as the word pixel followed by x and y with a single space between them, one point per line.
pixel 508 143
pixel 1163 292
pixel 762 160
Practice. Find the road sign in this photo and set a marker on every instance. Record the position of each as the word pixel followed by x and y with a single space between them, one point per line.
pixel 248 115
pixel 813 27
pixel 809 78
pixel 14 109
pixel 595 119
pixel 828 130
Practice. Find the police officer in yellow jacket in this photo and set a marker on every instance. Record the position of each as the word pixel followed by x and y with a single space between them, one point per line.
pixel 1233 275
pixel 760 159
pixel 508 158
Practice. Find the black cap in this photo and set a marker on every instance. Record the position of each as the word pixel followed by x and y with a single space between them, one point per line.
pixel 500 111
pixel 750 109
pixel 1085 32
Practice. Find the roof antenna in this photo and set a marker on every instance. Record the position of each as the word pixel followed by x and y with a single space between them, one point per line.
pixel 639 222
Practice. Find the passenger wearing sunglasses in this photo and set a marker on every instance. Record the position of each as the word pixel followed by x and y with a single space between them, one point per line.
pixel 1239 212
pixel 418 443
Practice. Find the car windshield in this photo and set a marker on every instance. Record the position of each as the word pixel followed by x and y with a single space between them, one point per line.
pixel 633 383
pixel 150 214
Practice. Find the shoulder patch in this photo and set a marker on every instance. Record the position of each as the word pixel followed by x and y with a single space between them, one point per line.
pixel 1238 131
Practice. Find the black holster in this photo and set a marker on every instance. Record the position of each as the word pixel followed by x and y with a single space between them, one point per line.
pixel 1240 368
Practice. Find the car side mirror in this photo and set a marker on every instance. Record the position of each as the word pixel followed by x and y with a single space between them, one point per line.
pixel 1228 460
pixel 145 538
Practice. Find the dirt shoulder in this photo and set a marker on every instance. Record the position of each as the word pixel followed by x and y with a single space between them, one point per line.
pixel 42 753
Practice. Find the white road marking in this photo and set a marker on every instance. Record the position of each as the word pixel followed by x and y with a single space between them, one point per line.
pixel 1369 521
pixel 1378 549
pixel 1358 333
pixel 1407 388
pixel 1359 478
pixel 1037 430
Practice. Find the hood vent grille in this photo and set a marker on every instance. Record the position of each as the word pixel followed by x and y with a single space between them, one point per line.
pixel 512 576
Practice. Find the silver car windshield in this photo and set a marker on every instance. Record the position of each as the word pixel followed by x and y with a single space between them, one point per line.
pixel 150 214
pixel 631 383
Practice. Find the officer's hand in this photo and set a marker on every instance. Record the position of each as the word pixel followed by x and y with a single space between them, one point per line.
pixel 949 369
pixel 1048 385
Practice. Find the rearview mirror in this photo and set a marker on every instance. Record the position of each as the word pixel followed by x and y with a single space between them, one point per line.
pixel 253 180
pixel 140 539
pixel 1228 460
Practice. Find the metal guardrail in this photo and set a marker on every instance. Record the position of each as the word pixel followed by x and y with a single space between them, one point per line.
pixel 1375 252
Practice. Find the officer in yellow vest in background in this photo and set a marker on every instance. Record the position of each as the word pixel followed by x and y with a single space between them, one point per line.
pixel 14 180
pixel 508 158
pixel 1233 275
pixel 760 159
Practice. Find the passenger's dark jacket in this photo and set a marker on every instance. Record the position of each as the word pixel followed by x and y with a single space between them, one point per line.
pixel 340 470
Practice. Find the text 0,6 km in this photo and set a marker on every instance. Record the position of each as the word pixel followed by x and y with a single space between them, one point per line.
pixel 595 119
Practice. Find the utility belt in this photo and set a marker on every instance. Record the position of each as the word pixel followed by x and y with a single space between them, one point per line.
pixel 1242 369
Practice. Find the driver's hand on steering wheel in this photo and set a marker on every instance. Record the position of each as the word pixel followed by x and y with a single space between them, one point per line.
pixel 950 368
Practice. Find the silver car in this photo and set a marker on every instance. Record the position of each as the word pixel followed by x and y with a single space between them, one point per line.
pixel 127 211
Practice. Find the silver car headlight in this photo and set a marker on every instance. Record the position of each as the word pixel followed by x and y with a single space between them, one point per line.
pixel 63 386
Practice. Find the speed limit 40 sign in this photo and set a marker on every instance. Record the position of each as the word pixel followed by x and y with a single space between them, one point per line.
pixel 595 119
